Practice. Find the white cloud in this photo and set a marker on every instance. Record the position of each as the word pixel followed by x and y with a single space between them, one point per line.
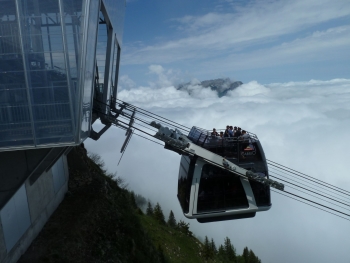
pixel 126 83
pixel 250 89
pixel 165 78
pixel 303 125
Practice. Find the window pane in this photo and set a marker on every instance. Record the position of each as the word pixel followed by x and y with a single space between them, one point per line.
pixel 220 190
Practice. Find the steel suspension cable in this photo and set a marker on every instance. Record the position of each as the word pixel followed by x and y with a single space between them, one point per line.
pixel 156 115
pixel 304 175
pixel 310 186
pixel 316 203
pixel 310 205
pixel 285 174
pixel 316 197
pixel 128 106
pixel 312 180
pixel 310 190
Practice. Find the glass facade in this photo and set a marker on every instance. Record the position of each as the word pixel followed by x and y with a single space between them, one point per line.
pixel 48 67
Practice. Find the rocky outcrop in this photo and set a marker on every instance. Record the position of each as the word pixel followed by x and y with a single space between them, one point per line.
pixel 221 86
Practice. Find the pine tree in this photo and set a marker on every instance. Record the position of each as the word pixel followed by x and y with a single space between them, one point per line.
pixel 213 247
pixel 132 199
pixel 222 254
pixel 206 249
pixel 149 210
pixel 158 214
pixel 140 201
pixel 246 255
pixel 252 257
pixel 171 220
pixel 230 251
pixel 249 256
pixel 184 228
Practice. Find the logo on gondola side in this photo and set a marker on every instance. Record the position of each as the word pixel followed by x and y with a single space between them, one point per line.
pixel 248 153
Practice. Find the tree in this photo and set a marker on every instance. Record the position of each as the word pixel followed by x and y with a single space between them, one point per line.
pixel 230 251
pixel 249 256
pixel 132 199
pixel 97 159
pixel 158 214
pixel 253 258
pixel 149 210
pixel 213 247
pixel 222 254
pixel 246 255
pixel 140 201
pixel 184 228
pixel 206 249
pixel 171 220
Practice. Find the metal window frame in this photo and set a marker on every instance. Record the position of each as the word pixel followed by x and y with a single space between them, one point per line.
pixel 116 77
pixel 106 98
pixel 66 58
pixel 82 65
pixel 20 30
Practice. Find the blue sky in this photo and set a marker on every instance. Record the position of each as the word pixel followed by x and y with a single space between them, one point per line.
pixel 267 41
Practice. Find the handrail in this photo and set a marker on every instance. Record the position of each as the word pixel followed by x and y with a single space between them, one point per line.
pixel 201 136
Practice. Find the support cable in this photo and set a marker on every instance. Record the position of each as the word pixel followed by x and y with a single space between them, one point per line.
pixel 140 124
pixel 316 203
pixel 275 173
pixel 317 197
pixel 131 107
pixel 171 123
pixel 310 190
pixel 295 172
pixel 157 115
pixel 310 205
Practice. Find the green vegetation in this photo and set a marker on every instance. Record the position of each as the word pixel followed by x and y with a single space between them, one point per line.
pixel 100 221
pixel 178 244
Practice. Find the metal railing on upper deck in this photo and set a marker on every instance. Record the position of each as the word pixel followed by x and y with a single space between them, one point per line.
pixel 205 138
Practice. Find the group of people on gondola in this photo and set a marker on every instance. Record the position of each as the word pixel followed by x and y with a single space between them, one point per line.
pixel 230 132
pixel 236 133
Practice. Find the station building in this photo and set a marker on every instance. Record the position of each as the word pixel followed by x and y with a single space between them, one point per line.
pixel 57 59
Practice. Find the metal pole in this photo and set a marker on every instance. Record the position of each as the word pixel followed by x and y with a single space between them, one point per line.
pixel 25 66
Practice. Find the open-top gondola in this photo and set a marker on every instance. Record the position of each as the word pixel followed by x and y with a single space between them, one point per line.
pixel 209 192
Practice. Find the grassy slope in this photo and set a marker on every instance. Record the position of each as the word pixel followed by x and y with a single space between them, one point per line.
pixel 94 223
pixel 177 246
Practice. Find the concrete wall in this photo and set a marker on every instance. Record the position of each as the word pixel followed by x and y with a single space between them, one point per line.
pixel 25 214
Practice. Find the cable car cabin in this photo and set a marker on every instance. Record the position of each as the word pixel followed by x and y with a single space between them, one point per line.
pixel 210 193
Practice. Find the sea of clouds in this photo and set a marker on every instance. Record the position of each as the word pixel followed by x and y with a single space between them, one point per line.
pixel 303 125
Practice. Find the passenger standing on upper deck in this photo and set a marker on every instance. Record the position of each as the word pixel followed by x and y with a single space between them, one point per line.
pixel 226 131
pixel 238 132
pixel 234 131
pixel 221 135
pixel 214 133
pixel 230 131
pixel 245 135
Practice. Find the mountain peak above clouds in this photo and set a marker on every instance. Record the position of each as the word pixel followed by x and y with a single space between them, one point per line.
pixel 221 86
